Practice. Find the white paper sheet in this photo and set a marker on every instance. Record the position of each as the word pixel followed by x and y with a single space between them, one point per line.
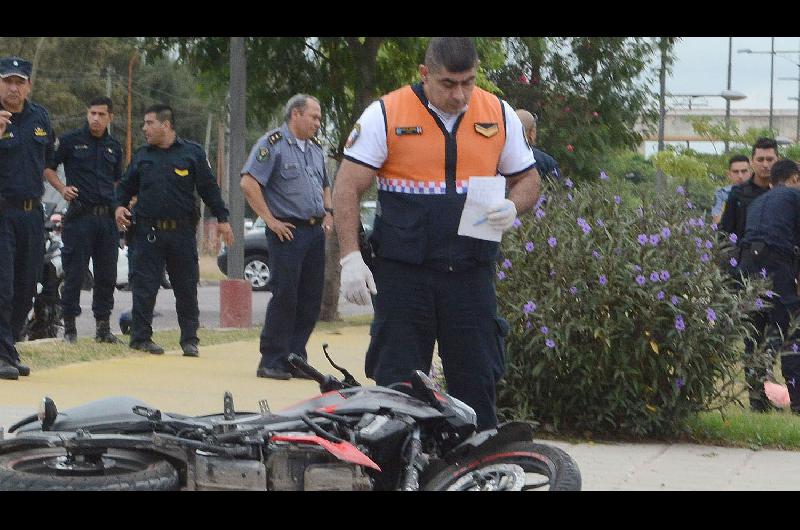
pixel 481 194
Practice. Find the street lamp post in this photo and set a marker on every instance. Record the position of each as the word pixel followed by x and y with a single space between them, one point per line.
pixel 728 101
pixel 728 95
pixel 773 52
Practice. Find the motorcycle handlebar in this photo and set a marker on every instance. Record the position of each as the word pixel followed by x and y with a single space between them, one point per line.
pixel 326 382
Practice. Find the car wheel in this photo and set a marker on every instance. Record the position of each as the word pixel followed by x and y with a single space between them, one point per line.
pixel 256 272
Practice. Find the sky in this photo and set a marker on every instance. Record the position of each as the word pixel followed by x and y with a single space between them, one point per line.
pixel 701 66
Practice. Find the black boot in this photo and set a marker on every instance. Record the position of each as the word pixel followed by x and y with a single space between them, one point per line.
pixel 104 333
pixel 70 332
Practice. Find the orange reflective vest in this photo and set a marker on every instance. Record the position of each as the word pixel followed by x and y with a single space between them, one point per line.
pixel 422 156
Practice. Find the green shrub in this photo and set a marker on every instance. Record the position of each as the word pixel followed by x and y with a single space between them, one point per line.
pixel 621 320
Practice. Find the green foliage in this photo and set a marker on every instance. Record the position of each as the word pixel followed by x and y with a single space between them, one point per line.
pixel 691 172
pixel 621 162
pixel 589 94
pixel 618 362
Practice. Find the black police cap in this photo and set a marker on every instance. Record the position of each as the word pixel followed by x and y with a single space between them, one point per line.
pixel 15 66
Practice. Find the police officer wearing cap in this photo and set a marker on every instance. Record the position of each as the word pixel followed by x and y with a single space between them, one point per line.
pixel 424 142
pixel 771 243
pixel 285 183
pixel 92 161
pixel 164 175
pixel 27 144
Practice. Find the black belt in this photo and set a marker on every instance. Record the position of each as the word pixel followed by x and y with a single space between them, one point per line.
pixel 166 225
pixel 99 210
pixel 21 204
pixel 297 221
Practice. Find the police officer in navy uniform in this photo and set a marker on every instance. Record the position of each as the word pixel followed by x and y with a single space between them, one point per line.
pixel 734 216
pixel 92 161
pixel 27 145
pixel 771 243
pixel 424 142
pixel 164 175
pixel 546 165
pixel 285 183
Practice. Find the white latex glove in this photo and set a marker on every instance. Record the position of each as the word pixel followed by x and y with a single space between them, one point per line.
pixel 501 215
pixel 357 281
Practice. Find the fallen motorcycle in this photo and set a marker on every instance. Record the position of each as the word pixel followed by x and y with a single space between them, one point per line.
pixel 407 436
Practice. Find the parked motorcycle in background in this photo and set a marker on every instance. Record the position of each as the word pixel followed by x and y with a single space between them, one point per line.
pixel 407 436
pixel 45 320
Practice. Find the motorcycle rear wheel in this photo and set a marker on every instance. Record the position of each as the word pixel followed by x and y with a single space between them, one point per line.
pixel 49 469
pixel 513 467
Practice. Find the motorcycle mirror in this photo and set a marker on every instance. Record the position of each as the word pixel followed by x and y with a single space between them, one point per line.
pixel 48 412
pixel 425 389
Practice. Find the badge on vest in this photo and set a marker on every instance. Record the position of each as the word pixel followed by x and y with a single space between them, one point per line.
pixel 80 146
pixel 263 154
pixel 181 172
pixel 7 136
pixel 38 131
pixel 400 131
pixel 487 129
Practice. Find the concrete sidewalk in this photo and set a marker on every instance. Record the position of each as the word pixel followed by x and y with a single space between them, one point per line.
pixel 196 386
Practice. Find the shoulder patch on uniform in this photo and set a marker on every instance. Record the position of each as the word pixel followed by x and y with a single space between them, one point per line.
pixel 38 131
pixel 274 137
pixel 316 141
pixel 354 134
pixel 263 154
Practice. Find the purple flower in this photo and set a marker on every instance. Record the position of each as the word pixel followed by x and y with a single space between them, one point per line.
pixel 552 274
pixel 700 222
pixel 704 258
pixel 675 300
pixel 539 213
pixel 692 222
pixel 654 277
pixel 517 223
pixel 529 246
pixel 769 294
pixel 573 290
pixel 550 343
pixel 641 280
pixel 642 239
pixel 689 205
pixel 666 232
pixel 794 347
pixel 711 315
pixel 569 196
pixel 544 330
pixel 501 276
pixel 714 227
pixel 539 202
pixel 764 273
pixel 603 175
pixel 507 264
pixel 528 325
pixel 602 279
pixel 733 262
pixel 680 382
pixel 664 275
pixel 568 183
pixel 581 221
pixel 680 325
pixel 552 242
pixel 530 307
pixel 759 304
pixel 680 190
pixel 637 268
pixel 654 239
pixel 595 254
pixel 698 242
pixel 586 229
pixel 709 244
pixel 660 295
pixel 733 238
pixel 600 223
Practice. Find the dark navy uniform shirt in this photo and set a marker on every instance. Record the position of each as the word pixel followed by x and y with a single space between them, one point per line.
pixel 292 180
pixel 26 148
pixel 165 180
pixel 774 219
pixel 734 216
pixel 91 164
pixel 546 164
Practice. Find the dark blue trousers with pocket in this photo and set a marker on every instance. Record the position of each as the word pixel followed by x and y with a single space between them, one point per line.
pixel 417 306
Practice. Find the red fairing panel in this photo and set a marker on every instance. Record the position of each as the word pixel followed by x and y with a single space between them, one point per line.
pixel 341 450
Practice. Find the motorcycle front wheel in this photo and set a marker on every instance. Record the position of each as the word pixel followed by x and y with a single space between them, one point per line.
pixel 55 469
pixel 519 466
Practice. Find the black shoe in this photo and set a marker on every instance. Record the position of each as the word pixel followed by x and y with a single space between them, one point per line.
pixel 760 405
pixel 8 371
pixel 273 373
pixel 70 331
pixel 72 338
pixel 104 333
pixel 148 346
pixel 190 349
pixel 22 369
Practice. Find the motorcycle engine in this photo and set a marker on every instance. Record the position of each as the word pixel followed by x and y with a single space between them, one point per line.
pixel 311 468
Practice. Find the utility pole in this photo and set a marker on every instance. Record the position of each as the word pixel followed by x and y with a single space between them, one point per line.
pixel 129 135
pixel 109 69
pixel 728 101
pixel 201 238
pixel 771 80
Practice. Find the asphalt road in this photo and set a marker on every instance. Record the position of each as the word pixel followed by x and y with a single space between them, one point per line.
pixel 208 300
